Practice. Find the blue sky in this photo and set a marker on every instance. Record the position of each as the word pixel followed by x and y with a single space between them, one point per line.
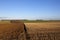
pixel 30 9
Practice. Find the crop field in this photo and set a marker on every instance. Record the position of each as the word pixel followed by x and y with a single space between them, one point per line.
pixel 43 31
pixel 35 31
pixel 11 31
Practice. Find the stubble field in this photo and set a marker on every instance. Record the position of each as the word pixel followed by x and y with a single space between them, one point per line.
pixel 35 31
pixel 43 31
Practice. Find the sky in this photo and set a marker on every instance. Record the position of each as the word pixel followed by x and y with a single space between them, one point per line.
pixel 30 9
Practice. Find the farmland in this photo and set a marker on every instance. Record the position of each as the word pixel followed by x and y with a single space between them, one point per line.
pixel 11 30
pixel 35 31
pixel 43 31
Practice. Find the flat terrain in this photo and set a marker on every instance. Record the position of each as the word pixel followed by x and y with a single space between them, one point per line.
pixel 11 31
pixel 35 31
pixel 43 31
pixel 43 26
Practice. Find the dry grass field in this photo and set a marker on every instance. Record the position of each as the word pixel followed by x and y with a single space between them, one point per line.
pixel 12 31
pixel 43 31
pixel 35 31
